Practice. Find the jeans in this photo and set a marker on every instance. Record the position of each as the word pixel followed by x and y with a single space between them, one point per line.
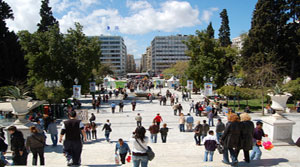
pixel 139 123
pixel 197 139
pixel 140 161
pixel 192 108
pixel 123 157
pixel 232 155
pixel 211 121
pixel 54 139
pixel 211 155
pixel 219 134
pixel 256 153
pixel 164 138
pixel 38 152
pixel 181 127
pixel 154 138
pixel 106 134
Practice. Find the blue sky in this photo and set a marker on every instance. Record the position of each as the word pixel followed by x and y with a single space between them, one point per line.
pixel 139 21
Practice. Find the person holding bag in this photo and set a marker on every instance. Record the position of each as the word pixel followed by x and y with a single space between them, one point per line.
pixel 35 143
pixel 139 149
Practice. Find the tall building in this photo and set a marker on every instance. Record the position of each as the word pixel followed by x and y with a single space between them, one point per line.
pixel 148 58
pixel 238 43
pixel 167 50
pixel 143 67
pixel 114 53
pixel 131 67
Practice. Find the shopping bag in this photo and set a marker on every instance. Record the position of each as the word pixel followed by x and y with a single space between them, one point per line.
pixel 267 144
pixel 117 159
pixel 128 159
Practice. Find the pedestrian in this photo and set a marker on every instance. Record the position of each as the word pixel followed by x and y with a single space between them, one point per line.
pixel 123 149
pixel 39 126
pixel 93 118
pixel 211 118
pixel 52 129
pixel 35 143
pixel 72 128
pixel 121 105
pixel 231 138
pixel 138 119
pixel 176 97
pixel 107 130
pixel 172 100
pixel 205 129
pixel 175 108
pixel 298 107
pixel 192 106
pixel 154 129
pixel 189 123
pixel 87 129
pixel 140 147
pixel 160 100
pixel 181 122
pixel 94 130
pixel 197 108
pixel 164 100
pixel 133 103
pixel 257 137
pixel 164 133
pixel 3 149
pixel 94 103
pixel 210 142
pixel 98 102
pixel 220 129
pixel 198 132
pixel 17 146
pixel 113 107
pixel 201 109
pixel 180 109
pixel 246 142
pixel 158 120
pixel 151 98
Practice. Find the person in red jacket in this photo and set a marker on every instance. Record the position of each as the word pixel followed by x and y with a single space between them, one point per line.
pixel 158 119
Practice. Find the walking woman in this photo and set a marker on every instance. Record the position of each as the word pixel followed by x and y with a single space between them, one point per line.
pixel 35 143
pixel 94 130
pixel 246 142
pixel 231 138
pixel 139 149
pixel 107 129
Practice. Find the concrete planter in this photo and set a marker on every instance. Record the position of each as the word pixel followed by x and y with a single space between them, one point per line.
pixel 20 108
pixel 279 101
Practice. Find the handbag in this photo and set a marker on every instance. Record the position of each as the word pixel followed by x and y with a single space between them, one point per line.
pixel 220 149
pixel 149 151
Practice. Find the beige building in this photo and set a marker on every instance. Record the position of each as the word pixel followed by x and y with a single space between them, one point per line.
pixel 130 66
pixel 143 67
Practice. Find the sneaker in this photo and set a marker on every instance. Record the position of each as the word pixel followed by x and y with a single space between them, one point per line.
pixel 225 162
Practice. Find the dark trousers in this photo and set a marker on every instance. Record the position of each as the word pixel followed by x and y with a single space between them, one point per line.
pixel 73 150
pixel 123 157
pixel 113 110
pixel 18 159
pixel 232 155
pixel 164 138
pixel 197 139
pixel 246 154
pixel 133 107
pixel 139 123
pixel 94 134
pixel 38 152
pixel 158 124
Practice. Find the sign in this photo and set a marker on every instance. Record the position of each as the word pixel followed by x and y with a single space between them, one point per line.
pixel 190 84
pixel 82 115
pixel 208 89
pixel 76 91
pixel 120 84
pixel 92 86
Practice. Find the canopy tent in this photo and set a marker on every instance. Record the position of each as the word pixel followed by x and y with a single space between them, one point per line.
pixel 157 81
pixel 172 82
pixel 109 81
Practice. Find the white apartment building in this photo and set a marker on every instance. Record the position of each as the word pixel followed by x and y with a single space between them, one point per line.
pixel 114 53
pixel 237 43
pixel 167 50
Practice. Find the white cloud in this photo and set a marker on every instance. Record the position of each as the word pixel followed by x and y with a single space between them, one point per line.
pixel 26 15
pixel 137 5
pixel 132 46
pixel 208 13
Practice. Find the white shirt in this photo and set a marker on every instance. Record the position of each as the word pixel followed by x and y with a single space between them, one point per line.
pixel 136 147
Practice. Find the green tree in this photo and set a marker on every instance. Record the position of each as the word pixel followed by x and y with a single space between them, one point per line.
pixel 47 18
pixel 210 31
pixel 293 87
pixel 178 70
pixel 12 58
pixel 224 31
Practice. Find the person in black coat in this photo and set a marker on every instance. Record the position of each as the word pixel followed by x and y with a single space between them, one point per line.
pixel 231 138
pixel 246 137
pixel 17 146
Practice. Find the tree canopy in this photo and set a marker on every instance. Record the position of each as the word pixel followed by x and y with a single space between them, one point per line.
pixel 47 18
pixel 224 31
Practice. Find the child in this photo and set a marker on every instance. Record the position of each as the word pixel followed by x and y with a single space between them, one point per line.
pixel 164 132
pixel 87 129
pixel 257 136
pixel 210 143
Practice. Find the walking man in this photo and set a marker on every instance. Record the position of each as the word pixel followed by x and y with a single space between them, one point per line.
pixel 189 123
pixel 154 129
pixel 192 106
pixel 133 103
pixel 220 129
pixel 72 128
pixel 121 105
pixel 107 129
pixel 113 107
pixel 158 120
pixel 138 119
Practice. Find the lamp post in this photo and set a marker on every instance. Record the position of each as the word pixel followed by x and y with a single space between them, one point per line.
pixel 52 84
pixel 233 81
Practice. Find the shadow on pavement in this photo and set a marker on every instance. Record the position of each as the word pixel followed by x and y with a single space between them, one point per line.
pixel 106 165
pixel 56 149
pixel 264 162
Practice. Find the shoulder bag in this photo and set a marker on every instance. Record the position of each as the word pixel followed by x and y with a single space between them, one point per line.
pixel 149 151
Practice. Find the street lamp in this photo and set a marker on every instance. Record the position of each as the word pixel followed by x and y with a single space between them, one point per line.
pixel 76 81
pixel 233 81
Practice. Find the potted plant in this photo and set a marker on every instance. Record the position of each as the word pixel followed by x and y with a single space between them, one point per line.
pixel 279 98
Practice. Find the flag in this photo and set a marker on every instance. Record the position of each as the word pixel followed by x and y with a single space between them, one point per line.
pixel 108 27
pixel 116 28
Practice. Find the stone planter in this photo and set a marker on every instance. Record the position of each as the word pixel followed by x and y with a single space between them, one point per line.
pixel 279 101
pixel 20 108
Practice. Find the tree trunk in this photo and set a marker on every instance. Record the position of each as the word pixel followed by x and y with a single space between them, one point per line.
pixel 262 100
pixel 247 102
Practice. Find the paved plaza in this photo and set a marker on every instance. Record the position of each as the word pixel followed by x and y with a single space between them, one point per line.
pixel 180 149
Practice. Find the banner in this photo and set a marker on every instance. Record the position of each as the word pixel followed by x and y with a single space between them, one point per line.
pixel 92 86
pixel 82 115
pixel 208 89
pixel 190 84
pixel 76 91
pixel 120 84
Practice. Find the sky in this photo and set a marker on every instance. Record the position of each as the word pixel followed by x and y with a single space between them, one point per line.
pixel 137 21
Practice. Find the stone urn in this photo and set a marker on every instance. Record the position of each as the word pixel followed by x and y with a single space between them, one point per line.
pixel 279 101
pixel 20 109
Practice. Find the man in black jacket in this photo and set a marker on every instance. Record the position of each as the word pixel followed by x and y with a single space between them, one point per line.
pixel 72 144
pixel 17 146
